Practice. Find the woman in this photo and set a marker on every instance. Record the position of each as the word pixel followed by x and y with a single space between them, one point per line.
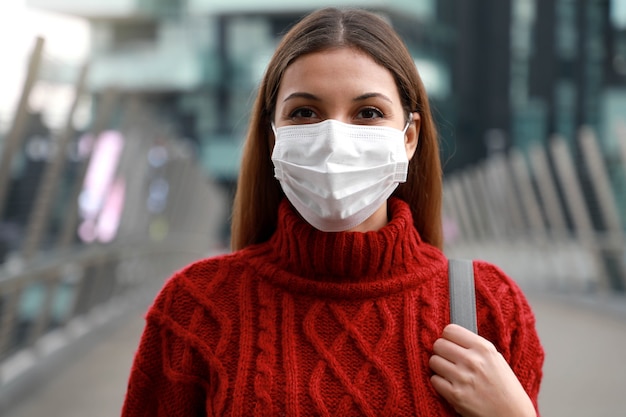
pixel 334 301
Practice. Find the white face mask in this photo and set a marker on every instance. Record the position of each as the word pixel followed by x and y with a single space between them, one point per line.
pixel 336 174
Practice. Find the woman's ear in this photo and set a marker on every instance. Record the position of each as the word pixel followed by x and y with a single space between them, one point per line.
pixel 411 138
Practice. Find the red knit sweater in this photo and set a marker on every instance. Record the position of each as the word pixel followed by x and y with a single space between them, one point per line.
pixel 317 324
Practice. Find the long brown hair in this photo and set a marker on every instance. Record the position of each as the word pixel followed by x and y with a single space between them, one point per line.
pixel 258 193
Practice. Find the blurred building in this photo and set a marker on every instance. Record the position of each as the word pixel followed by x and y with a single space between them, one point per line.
pixel 569 70
pixel 197 63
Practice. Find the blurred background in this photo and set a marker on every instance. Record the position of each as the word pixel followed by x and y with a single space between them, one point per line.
pixel 121 125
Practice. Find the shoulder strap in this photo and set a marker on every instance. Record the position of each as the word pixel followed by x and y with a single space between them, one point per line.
pixel 462 293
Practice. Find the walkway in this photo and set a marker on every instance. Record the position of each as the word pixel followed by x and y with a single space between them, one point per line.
pixel 584 373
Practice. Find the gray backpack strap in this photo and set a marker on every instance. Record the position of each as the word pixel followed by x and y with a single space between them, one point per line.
pixel 462 293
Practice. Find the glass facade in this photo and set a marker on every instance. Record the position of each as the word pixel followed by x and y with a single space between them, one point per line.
pixel 594 53
pixel 528 117
pixel 564 65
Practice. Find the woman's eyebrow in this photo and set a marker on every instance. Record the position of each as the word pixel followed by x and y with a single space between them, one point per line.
pixel 301 95
pixel 372 95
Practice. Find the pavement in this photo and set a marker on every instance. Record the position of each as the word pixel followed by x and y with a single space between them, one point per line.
pixel 585 367
pixel 92 381
pixel 584 372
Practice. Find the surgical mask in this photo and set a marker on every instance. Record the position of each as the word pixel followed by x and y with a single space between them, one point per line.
pixel 337 175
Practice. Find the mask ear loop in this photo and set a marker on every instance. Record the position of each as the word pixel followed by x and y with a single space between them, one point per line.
pixel 409 120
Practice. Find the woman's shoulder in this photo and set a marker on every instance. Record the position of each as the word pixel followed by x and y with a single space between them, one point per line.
pixel 490 278
pixel 209 266
pixel 505 317
pixel 215 270
pixel 201 280
pixel 500 300
pixel 199 304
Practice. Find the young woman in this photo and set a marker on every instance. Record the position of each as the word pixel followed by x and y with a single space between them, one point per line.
pixel 334 301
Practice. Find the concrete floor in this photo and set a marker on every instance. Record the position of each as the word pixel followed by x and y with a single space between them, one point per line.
pixel 585 368
pixel 94 384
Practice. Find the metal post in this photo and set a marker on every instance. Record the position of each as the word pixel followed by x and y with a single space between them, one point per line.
pixel 44 199
pixel 465 223
pixel 179 174
pixel 482 199
pixel 521 177
pixel 621 143
pixel 15 136
pixel 42 319
pixel 133 166
pixel 511 201
pixel 472 205
pixel 621 140
pixel 568 179
pixel 496 218
pixel 601 185
pixel 541 251
pixel 448 207
pixel 11 296
pixel 497 197
pixel 548 192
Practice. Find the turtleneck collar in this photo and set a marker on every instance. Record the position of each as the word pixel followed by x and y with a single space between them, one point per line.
pixel 355 257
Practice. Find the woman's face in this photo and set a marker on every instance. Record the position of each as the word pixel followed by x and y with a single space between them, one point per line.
pixel 347 85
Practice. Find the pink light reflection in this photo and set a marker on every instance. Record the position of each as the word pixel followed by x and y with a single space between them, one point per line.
pixel 101 201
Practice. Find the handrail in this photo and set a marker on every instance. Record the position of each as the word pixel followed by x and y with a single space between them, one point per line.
pixel 70 283
pixel 507 210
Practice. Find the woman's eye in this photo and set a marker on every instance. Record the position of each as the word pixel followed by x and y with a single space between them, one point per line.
pixel 303 113
pixel 370 113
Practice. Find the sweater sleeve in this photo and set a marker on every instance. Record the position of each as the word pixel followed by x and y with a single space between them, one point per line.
pixel 160 382
pixel 507 320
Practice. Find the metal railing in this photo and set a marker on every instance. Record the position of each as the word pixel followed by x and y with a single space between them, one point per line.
pixel 548 221
pixel 48 292
pixel 167 211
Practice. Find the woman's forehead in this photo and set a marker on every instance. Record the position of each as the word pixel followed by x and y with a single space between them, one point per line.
pixel 337 70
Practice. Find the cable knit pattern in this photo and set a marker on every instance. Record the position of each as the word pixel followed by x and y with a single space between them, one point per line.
pixel 317 324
